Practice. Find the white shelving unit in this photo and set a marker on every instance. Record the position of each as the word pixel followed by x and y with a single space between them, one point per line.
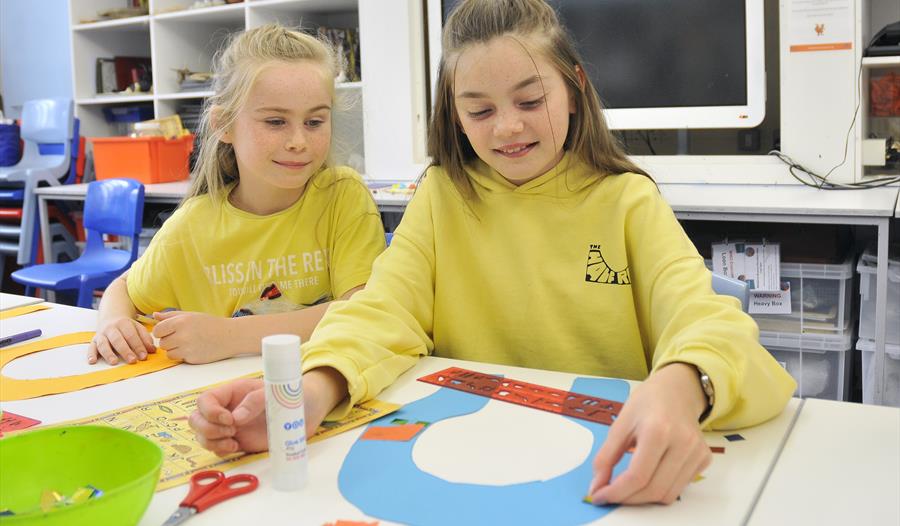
pixel 380 125
pixel 872 15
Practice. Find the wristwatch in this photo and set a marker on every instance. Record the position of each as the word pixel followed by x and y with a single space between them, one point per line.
pixel 710 392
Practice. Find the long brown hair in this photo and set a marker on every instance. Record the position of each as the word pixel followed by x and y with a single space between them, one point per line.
pixel 536 25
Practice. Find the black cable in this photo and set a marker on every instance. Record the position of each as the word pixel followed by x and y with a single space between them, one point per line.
pixel 821 181
pixel 646 135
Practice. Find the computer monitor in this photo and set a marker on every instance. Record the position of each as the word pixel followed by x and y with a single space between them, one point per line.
pixel 663 64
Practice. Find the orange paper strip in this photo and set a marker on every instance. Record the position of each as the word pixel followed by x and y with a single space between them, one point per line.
pixel 22 389
pixel 18 311
pixel 396 433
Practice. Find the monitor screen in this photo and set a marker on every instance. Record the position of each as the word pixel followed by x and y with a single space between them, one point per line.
pixel 670 64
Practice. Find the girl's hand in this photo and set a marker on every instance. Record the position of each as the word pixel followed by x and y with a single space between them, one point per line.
pixel 232 417
pixel 194 337
pixel 660 420
pixel 123 338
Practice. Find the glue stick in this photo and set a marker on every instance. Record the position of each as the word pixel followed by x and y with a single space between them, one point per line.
pixel 285 419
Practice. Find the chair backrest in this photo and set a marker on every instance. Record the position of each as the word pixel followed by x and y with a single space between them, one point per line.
pixel 732 287
pixel 60 149
pixel 47 120
pixel 114 206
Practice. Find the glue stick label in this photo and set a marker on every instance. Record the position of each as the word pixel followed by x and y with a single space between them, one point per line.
pixel 287 433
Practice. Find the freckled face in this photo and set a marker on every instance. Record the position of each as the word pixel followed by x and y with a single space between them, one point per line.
pixel 514 108
pixel 282 135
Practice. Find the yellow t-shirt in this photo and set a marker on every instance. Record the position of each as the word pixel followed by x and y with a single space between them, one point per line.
pixel 569 272
pixel 214 258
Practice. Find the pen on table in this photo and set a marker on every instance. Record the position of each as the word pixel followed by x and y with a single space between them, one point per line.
pixel 21 337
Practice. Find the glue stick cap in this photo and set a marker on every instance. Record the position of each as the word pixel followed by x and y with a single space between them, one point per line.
pixel 281 357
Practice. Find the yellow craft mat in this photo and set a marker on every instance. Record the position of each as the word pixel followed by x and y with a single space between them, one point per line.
pixel 183 455
pixel 18 311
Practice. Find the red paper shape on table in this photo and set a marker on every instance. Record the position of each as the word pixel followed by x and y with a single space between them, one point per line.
pixel 13 422
pixel 535 396
pixel 351 523
pixel 717 449
pixel 400 433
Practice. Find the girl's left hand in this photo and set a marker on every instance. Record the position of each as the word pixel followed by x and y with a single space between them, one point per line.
pixel 194 337
pixel 660 420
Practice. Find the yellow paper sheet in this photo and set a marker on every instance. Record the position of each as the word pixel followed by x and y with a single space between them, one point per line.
pixel 164 422
pixel 18 311
pixel 21 389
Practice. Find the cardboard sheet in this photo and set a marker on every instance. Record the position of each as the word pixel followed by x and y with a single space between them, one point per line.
pixel 164 422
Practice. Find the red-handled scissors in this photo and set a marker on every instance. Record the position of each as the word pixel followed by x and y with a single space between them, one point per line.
pixel 209 488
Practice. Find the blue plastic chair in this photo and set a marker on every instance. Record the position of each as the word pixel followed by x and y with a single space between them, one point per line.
pixel 732 287
pixel 43 121
pixel 112 206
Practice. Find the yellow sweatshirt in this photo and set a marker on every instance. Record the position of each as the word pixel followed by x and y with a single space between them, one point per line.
pixel 568 272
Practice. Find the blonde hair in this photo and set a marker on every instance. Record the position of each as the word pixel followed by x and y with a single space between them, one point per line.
pixel 535 23
pixel 236 68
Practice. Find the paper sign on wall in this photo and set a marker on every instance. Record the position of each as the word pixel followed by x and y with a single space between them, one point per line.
pixel 819 25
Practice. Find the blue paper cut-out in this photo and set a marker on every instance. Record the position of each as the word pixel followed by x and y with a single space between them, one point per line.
pixel 381 479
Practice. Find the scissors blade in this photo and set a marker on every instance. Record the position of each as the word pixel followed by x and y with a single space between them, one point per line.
pixel 182 514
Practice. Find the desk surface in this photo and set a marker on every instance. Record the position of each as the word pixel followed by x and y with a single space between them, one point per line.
pixel 840 465
pixel 704 198
pixel 818 466
pixel 780 199
pixel 11 301
pixel 173 192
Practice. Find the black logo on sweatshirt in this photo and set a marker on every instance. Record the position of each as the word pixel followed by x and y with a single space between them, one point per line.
pixel 598 271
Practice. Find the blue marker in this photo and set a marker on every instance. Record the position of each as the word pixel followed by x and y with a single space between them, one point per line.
pixel 21 337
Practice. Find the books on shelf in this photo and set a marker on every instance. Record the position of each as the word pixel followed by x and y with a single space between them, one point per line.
pixel 346 44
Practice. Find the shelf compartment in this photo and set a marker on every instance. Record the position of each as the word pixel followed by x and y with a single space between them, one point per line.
pixel 187 42
pixel 104 42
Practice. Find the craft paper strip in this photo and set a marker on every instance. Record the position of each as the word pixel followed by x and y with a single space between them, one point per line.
pixel 401 433
pixel 12 313
pixel 21 389
pixel 12 422
pixel 164 421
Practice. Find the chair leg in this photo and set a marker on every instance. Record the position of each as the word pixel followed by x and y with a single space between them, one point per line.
pixel 85 295
pixel 27 229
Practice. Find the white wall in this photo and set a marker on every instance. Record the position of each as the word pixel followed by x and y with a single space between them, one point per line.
pixel 35 51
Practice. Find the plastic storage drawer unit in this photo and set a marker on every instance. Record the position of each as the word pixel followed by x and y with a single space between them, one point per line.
pixel 867 267
pixel 821 300
pixel 818 363
pixel 891 372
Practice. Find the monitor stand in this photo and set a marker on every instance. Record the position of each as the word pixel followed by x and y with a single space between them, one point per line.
pixel 683 142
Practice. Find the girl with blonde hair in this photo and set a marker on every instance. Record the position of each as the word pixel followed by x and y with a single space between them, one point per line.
pixel 533 241
pixel 270 234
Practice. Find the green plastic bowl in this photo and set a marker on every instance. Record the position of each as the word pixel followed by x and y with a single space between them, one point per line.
pixel 125 466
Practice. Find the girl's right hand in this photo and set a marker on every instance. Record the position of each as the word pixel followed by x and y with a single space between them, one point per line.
pixel 232 417
pixel 120 338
